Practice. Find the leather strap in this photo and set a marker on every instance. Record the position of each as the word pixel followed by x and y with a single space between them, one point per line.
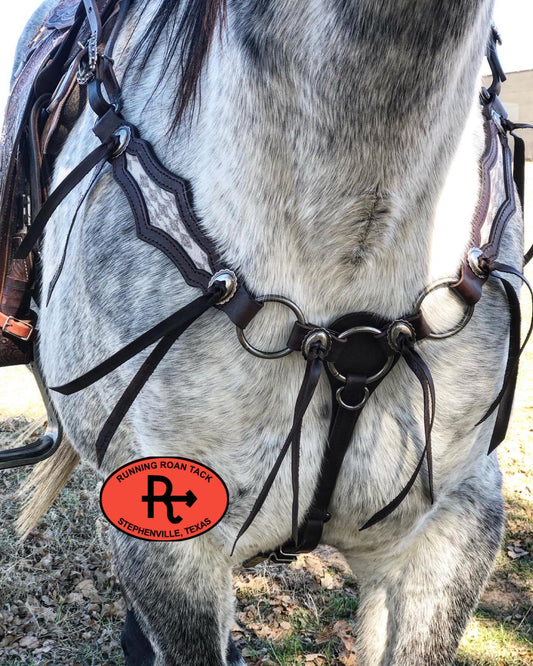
pixel 504 401
pixel 363 361
pixel 312 374
pixel 188 316
pixel 420 369
pixel 18 328
pixel 93 15
pixel 66 186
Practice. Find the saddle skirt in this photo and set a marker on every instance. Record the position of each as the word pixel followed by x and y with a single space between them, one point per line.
pixel 43 104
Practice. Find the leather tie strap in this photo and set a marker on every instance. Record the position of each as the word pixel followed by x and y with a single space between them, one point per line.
pixel 166 327
pixel 339 439
pixel 313 370
pixel 504 400
pixel 66 186
pixel 167 332
pixel 423 374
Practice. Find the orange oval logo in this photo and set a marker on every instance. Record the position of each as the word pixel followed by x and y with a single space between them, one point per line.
pixel 164 499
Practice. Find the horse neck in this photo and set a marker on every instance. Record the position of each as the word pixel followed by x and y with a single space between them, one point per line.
pixel 325 139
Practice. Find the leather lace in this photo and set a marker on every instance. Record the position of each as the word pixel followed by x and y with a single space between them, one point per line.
pixel 313 371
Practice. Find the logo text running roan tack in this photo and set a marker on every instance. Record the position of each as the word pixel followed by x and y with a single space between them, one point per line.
pixel 164 499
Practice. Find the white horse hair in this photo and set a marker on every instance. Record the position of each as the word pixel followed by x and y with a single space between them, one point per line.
pixel 334 157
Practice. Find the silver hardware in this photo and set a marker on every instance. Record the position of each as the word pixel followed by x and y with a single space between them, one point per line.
pixel 84 75
pixel 441 284
pixel 356 331
pixel 352 408
pixel 229 280
pixel 271 298
pixel 286 558
pixel 474 255
pixel 87 70
pixel 19 337
pixel 318 335
pixel 398 328
pixel 123 135
pixel 486 94
pixel 26 210
pixel 92 51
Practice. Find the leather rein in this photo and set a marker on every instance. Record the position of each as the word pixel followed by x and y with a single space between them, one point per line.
pixel 356 352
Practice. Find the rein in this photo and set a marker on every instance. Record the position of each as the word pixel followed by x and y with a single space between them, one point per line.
pixel 356 352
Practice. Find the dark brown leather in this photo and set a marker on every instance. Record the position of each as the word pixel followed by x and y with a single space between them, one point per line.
pixel 300 332
pixel 21 164
pixel 15 352
pixel 15 297
pixel 15 302
pixel 488 161
pixel 242 307
pixel 469 286
pixel 507 209
pixel 18 108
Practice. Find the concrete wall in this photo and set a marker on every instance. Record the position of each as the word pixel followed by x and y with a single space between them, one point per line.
pixel 517 97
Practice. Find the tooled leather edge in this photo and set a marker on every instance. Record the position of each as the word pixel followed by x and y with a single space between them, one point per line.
pixel 507 209
pixel 154 236
pixel 469 285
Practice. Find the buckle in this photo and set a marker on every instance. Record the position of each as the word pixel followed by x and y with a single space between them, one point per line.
pixel 87 68
pixel 278 556
pixel 18 321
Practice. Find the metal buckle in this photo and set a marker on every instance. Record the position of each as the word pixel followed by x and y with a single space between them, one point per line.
pixel 92 52
pixel 280 557
pixel 374 378
pixel 87 70
pixel 20 321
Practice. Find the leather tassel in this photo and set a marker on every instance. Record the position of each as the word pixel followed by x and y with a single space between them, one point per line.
pixel 313 370
pixel 504 399
pixel 423 374
pixel 167 332
pixel 186 315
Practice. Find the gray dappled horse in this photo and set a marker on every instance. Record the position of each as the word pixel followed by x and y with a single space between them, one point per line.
pixel 333 155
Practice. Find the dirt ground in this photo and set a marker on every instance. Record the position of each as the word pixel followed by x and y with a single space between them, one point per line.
pixel 60 603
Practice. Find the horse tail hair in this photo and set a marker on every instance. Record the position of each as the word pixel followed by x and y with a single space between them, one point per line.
pixel 42 486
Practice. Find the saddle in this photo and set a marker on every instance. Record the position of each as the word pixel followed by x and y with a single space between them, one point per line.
pixel 68 64
pixel 43 105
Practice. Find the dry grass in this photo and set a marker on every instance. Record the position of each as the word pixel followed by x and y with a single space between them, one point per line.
pixel 60 603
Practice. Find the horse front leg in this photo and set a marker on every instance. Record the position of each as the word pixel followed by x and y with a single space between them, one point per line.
pixel 416 601
pixel 180 603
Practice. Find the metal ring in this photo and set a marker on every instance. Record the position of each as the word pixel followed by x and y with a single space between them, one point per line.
pixel 351 408
pixel 441 284
pixel 354 331
pixel 271 298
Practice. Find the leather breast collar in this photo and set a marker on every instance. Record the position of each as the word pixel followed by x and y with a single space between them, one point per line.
pixel 356 351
